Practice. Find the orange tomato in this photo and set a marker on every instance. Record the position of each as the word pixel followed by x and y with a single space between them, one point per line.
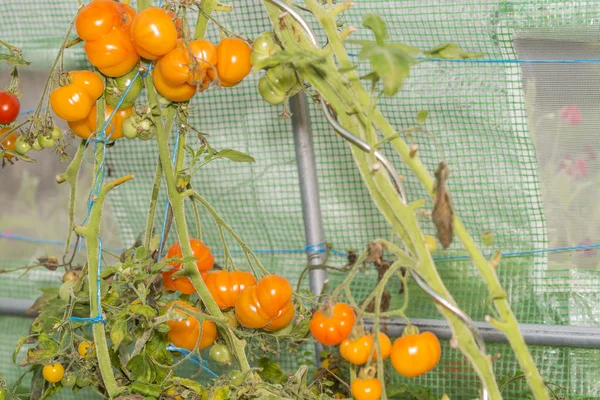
pixel 100 16
pixel 204 263
pixel 182 92
pixel 205 55
pixel 332 326
pixel 267 305
pixel 414 355
pixel 366 389
pixel 114 130
pixel 185 333
pixel 359 350
pixel 113 54
pixel 9 141
pixel 153 33
pixel 233 61
pixel 90 81
pixel 71 102
pixel 175 66
pixel 225 286
pixel 81 128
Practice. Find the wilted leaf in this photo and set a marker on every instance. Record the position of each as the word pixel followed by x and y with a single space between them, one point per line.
pixel 236 156
pixel 118 333
pixel 271 371
pixel 143 310
pixel 45 351
pixel 395 390
pixel 14 59
pixel 451 51
pixel 422 116
pixel 141 368
pixel 20 343
pixel 376 24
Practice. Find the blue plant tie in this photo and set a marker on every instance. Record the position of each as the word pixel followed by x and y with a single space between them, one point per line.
pixel 193 358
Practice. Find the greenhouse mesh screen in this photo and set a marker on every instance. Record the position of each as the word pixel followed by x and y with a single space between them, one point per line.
pixel 519 131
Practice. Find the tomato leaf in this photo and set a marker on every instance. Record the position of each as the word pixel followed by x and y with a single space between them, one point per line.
pixel 235 156
pixel 142 369
pixel 451 51
pixel 20 343
pixel 271 371
pixel 376 24
pixel 118 333
pixel 37 383
pixel 190 384
pixel 108 272
pixel 143 310
pixel 422 116
pixel 45 351
pixel 14 59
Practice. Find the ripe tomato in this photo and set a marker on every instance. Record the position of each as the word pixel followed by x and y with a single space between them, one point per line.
pixel 266 305
pixel 115 127
pixel 225 286
pixel 153 33
pixel 89 81
pixel 330 327
pixel 233 61
pixel 182 92
pixel 414 355
pixel 100 16
pixel 86 349
pixel 9 107
pixel 204 263
pixel 366 389
pixel 9 141
pixel 175 66
pixel 53 373
pixel 71 102
pixel 358 351
pixel 81 128
pixel 205 55
pixel 185 333
pixel 113 54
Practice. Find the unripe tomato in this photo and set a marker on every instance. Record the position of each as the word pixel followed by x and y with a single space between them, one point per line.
pixel 64 292
pixel 71 102
pixel 153 33
pixel 99 17
pixel 83 379
pixel 264 46
pixel 233 61
pixel 68 380
pixel 114 130
pixel 2 393
pixel 56 133
pixel 37 146
pixel 53 373
pixel 118 86
pixel 225 286
pixel 9 107
pixel 236 376
pixel 357 351
pixel 182 92
pixel 130 127
pixel 70 275
pixel 185 333
pixel 113 54
pixel 22 146
pixel 430 243
pixel 282 77
pixel 414 355
pixel 204 263
pixel 89 81
pixel 332 326
pixel 220 353
pixel 366 389
pixel 45 142
pixel 269 92
pixel 266 305
pixel 86 349
pixel 9 141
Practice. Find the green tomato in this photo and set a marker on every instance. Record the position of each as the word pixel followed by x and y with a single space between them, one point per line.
pixel 64 290
pixel 83 379
pixel 282 77
pixel 270 93
pixel 236 376
pixel 68 380
pixel 116 88
pixel 46 142
pixel 264 46
pixel 56 133
pixel 220 353
pixel 37 146
pixel 130 127
pixel 21 146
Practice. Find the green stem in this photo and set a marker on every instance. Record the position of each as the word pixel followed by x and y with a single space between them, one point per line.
pixel 206 8
pixel 70 176
pixel 176 199
pixel 142 4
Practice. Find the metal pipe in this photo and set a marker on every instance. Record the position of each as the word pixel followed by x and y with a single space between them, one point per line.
pixel 15 307
pixel 309 193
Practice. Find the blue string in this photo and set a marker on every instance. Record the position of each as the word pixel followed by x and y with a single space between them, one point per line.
pixel 97 318
pixel 193 358
pixel 30 110
pixel 164 225
pixel 45 241
pixel 502 61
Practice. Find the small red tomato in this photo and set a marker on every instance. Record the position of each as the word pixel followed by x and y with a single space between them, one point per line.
pixel 9 107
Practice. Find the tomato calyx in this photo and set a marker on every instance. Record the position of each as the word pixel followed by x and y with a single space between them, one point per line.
pixel 367 372
pixel 410 330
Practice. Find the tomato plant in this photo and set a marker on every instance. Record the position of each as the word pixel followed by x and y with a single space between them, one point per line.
pixel 153 33
pixel 53 373
pixel 233 61
pixel 415 354
pixel 360 350
pixel 187 333
pixel 9 107
pixel 332 325
pixel 204 263
pixel 267 305
pixel 225 286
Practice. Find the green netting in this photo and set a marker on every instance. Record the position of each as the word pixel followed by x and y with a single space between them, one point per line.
pixel 490 119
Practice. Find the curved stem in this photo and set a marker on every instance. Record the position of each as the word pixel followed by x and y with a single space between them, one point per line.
pixel 70 176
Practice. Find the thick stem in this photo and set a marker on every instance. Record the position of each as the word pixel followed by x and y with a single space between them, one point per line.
pixel 206 8
pixel 176 199
pixel 70 176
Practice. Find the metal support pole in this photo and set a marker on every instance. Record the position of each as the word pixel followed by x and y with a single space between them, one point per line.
pixel 309 192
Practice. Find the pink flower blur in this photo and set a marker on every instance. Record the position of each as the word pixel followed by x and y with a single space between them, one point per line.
pixel 587 242
pixel 571 114
pixel 578 168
